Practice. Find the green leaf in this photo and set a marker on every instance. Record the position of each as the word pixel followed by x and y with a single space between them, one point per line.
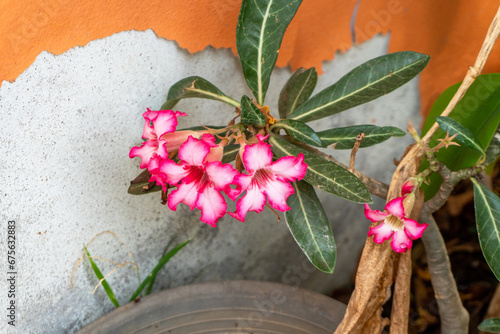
pixel 323 174
pixel 158 267
pixel 310 227
pixel 299 131
pixel 296 91
pixel 230 152
pixel 345 138
pixel 195 87
pixel 464 135
pixel 366 82
pixel 491 325
pixel 479 109
pixel 141 185
pixel 259 32
pixel 250 113
pixel 487 208
pixel 100 277
pixel 492 151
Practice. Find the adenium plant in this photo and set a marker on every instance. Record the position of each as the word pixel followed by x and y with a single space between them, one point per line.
pixel 269 156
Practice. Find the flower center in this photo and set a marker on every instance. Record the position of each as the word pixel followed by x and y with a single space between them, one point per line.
pixel 262 176
pixel 199 175
pixel 395 222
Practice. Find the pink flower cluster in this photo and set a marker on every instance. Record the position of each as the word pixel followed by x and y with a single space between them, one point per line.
pixel 201 178
pixel 394 224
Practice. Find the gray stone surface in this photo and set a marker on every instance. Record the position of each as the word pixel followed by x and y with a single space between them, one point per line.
pixel 68 123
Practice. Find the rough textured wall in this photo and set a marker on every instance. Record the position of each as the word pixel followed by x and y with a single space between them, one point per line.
pixel 450 31
pixel 68 123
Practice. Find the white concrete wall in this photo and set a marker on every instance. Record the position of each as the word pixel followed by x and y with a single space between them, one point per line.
pixel 68 123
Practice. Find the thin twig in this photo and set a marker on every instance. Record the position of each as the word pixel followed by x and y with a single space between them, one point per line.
pixel 472 73
pixel 357 144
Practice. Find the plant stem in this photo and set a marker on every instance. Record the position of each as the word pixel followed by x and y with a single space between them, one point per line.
pixel 472 73
pixel 454 316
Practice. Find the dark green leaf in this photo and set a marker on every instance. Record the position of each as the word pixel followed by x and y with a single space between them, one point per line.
pixel 493 151
pixel 260 29
pixel 366 82
pixel 297 90
pixel 195 87
pixel 323 174
pixel 491 325
pixel 250 113
pixel 480 110
pixel 492 155
pixel 141 185
pixel 299 131
pixel 487 207
pixel 310 227
pixel 100 277
pixel 464 135
pixel 230 152
pixel 345 138
pixel 163 261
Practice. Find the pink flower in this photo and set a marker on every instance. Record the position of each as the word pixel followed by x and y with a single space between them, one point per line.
pixel 265 178
pixel 408 187
pixel 201 180
pixel 395 225
pixel 158 123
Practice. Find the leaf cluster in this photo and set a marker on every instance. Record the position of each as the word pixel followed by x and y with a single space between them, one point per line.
pixel 260 29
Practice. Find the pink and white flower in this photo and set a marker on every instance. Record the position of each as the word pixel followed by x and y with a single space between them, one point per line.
pixel 265 178
pixel 394 224
pixel 201 180
pixel 157 125
pixel 408 187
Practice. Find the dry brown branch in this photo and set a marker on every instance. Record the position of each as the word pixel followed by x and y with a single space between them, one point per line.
pixel 473 72
pixel 372 279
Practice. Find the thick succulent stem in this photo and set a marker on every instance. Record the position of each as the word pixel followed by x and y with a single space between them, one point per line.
pixel 454 316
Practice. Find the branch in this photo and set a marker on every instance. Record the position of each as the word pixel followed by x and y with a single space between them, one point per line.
pixel 454 316
pixel 473 71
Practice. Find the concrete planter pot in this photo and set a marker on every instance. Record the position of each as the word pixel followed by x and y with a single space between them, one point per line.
pixel 226 307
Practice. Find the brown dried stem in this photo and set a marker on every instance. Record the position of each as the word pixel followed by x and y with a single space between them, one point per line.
pixel 473 72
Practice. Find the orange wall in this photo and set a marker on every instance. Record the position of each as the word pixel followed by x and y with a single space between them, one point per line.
pixel 451 31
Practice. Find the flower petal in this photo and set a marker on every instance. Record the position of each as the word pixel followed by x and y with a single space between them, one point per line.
pixel 145 152
pixel 174 173
pixel 381 232
pixel 165 121
pixel 374 215
pixel 254 200
pixel 278 191
pixel 194 151
pixel 396 208
pixel 257 156
pixel 413 229
pixel 220 174
pixel 148 132
pixel 289 168
pixel 185 193
pixel 156 175
pixel 173 140
pixel 212 206
pixel 209 139
pixel 242 181
pixel 400 241
pixel 407 187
